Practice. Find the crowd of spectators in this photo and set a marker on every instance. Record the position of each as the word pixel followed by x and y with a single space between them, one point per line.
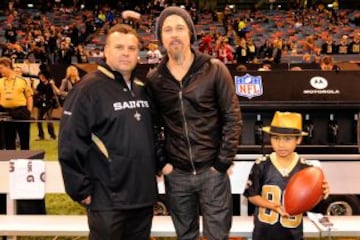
pixel 60 34
pixel 267 36
pixel 75 34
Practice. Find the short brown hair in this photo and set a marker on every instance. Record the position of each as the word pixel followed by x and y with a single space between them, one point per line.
pixel 122 28
pixel 327 63
pixel 327 60
pixel 5 61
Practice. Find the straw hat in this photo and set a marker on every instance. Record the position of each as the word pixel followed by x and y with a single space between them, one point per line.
pixel 285 123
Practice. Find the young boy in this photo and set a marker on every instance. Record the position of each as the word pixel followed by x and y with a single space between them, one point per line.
pixel 269 177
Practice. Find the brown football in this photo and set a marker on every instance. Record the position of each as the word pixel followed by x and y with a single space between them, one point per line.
pixel 304 190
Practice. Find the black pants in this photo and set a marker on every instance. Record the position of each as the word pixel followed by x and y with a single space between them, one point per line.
pixel 20 125
pixel 23 130
pixel 132 224
pixel 208 191
pixel 2 134
pixel 45 113
pixel 2 203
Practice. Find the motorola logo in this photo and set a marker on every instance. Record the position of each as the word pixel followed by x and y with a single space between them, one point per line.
pixel 319 85
pixel 318 82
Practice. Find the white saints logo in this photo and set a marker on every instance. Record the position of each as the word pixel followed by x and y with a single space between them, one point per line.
pixel 119 106
pixel 130 105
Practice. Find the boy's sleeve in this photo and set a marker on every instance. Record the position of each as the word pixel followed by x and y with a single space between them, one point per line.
pixel 253 184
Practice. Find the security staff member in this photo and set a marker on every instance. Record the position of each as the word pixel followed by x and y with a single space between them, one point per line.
pixel 16 99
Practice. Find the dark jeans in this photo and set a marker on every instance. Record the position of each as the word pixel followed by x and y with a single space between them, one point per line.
pixel 132 224
pixel 45 113
pixel 208 191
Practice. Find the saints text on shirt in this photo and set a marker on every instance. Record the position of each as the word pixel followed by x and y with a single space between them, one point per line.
pixel 130 105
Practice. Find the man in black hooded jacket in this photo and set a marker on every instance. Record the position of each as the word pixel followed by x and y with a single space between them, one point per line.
pixel 106 147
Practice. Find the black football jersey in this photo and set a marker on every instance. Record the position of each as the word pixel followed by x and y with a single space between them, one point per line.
pixel 269 180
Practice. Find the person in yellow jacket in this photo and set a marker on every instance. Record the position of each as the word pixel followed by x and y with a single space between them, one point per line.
pixel 16 98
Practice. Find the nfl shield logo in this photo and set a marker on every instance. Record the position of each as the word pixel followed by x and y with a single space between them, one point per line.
pixel 248 86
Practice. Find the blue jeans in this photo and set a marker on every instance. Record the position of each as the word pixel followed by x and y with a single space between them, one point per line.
pixel 208 192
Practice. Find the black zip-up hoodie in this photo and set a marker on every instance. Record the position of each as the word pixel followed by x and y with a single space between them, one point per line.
pixel 200 114
pixel 106 147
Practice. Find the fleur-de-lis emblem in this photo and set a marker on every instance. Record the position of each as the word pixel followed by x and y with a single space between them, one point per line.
pixel 137 116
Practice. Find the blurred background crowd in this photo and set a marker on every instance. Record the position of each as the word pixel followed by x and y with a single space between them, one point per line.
pixel 251 31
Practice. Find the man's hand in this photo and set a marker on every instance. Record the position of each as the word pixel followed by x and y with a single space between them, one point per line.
pixel 167 169
pixel 86 201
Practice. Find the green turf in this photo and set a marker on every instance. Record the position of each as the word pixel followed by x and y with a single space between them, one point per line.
pixel 48 145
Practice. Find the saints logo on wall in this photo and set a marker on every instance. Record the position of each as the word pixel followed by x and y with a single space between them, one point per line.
pixel 248 86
